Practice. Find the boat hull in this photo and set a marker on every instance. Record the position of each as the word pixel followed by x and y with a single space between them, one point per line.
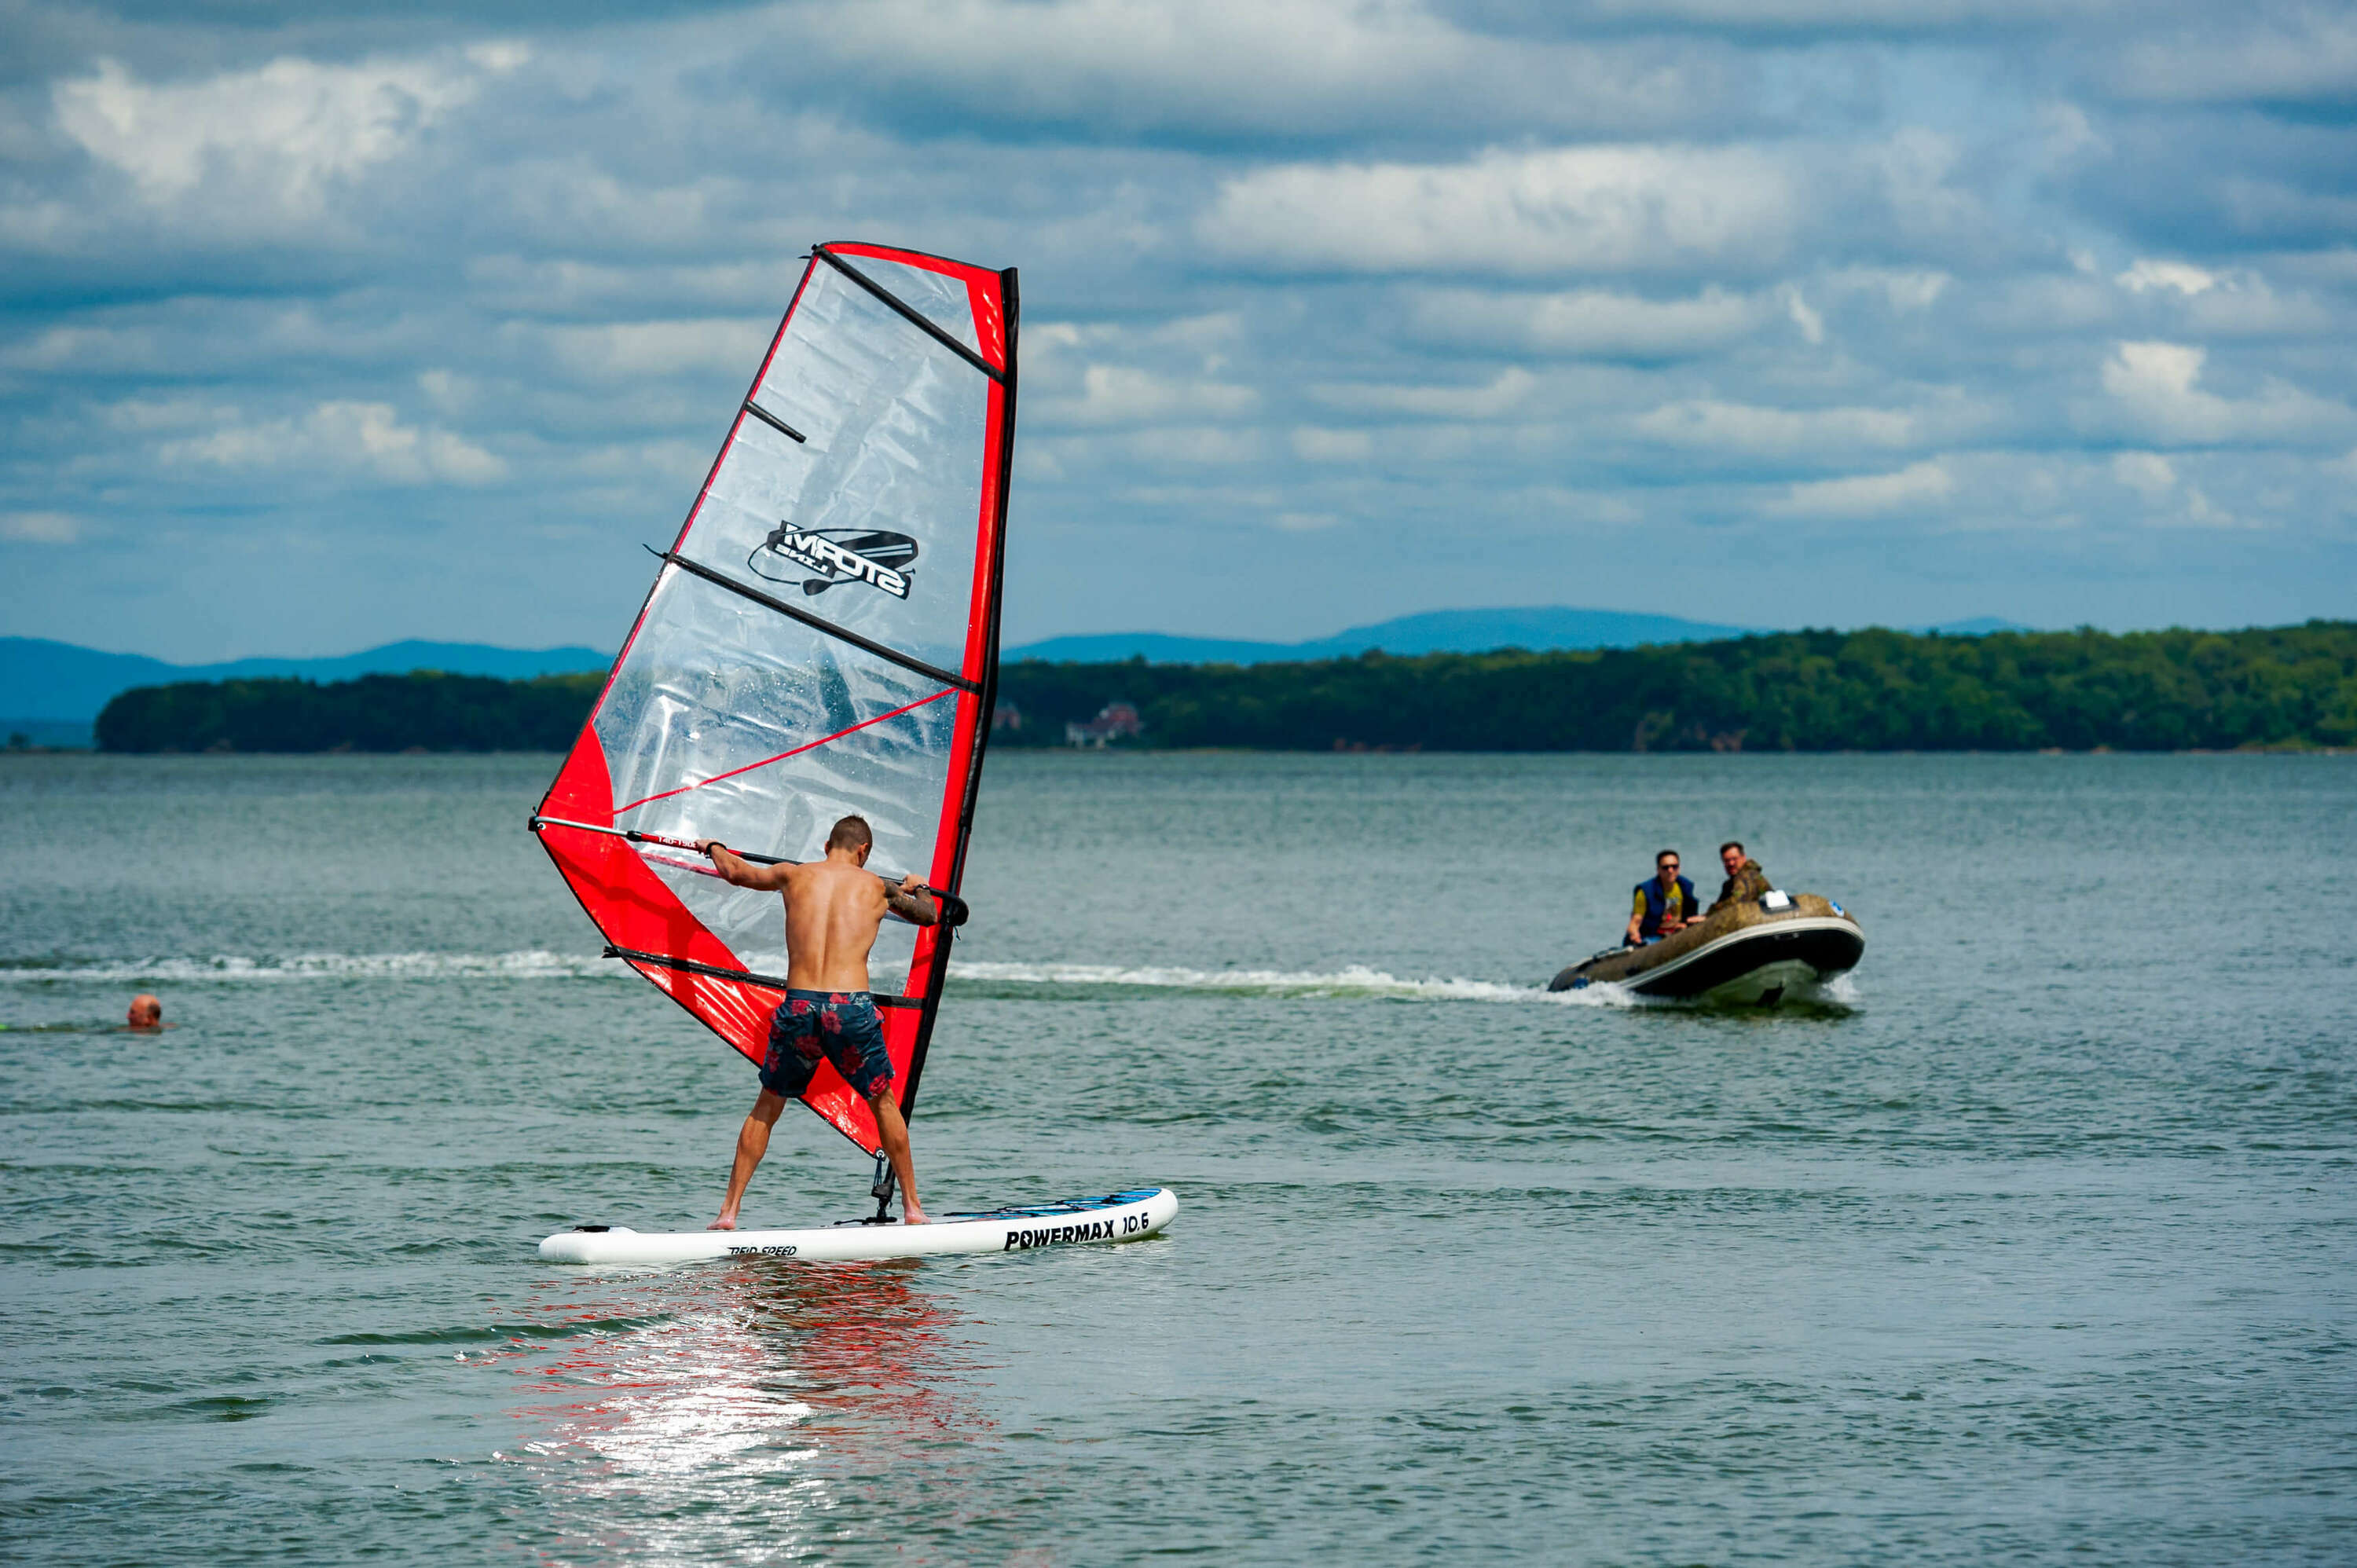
pixel 1746 956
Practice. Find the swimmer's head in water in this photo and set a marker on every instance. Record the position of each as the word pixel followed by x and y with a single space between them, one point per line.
pixel 147 1013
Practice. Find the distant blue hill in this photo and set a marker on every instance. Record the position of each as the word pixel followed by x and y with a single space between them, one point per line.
pixel 1541 628
pixel 58 682
pixel 1435 632
pixel 52 690
pixel 1979 626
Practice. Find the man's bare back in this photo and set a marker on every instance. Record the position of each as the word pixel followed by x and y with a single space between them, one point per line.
pixel 833 909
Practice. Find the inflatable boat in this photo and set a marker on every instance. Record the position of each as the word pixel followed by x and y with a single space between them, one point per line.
pixel 1786 944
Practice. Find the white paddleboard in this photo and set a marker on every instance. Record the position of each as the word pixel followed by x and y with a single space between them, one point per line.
pixel 1117 1217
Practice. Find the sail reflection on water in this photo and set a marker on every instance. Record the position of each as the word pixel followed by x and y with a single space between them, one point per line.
pixel 755 1411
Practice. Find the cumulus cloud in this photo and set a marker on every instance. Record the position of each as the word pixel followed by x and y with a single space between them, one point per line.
pixel 1778 433
pixel 2298 54
pixel 2258 311
pixel 1731 209
pixel 2221 302
pixel 365 438
pixel 1111 395
pixel 2153 371
pixel 1105 376
pixel 271 142
pixel 1502 394
pixel 1315 443
pixel 1695 262
pixel 82 350
pixel 1913 488
pixel 41 527
pixel 1811 324
pixel 1553 210
pixel 2045 305
pixel 2155 386
pixel 2169 502
pixel 2146 274
pixel 1819 16
pixel 641 350
pixel 1186 448
pixel 2149 474
pixel 1604 323
pixel 1230 68
pixel 144 415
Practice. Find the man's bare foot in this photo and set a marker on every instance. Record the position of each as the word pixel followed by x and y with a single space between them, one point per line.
pixel 912 1215
pixel 726 1222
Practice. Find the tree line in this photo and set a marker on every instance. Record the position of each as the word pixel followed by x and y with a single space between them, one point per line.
pixel 423 710
pixel 1810 690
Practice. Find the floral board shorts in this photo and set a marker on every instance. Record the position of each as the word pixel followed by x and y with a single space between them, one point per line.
pixel 840 1026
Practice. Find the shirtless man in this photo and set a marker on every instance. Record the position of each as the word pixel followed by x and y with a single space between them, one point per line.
pixel 146 1014
pixel 834 908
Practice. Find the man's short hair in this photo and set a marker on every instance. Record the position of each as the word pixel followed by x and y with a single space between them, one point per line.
pixel 851 834
pixel 1731 844
pixel 1666 855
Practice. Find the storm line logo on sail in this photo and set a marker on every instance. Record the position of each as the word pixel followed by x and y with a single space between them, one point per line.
pixel 823 557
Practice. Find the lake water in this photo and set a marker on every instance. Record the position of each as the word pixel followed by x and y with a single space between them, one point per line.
pixel 2038 1246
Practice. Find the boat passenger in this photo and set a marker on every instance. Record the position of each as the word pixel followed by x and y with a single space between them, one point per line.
pixel 1745 881
pixel 1661 906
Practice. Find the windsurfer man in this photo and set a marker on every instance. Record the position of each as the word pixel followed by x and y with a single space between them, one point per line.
pixel 833 909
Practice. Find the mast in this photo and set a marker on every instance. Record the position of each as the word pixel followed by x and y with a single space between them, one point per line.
pixel 987 717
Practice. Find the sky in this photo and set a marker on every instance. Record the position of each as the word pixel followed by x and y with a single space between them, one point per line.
pixel 419 320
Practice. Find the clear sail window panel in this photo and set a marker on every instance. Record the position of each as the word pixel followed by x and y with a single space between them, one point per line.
pixel 897 429
pixel 939 297
pixel 729 721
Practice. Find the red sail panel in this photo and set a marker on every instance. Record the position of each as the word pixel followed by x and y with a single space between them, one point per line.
pixel 821 639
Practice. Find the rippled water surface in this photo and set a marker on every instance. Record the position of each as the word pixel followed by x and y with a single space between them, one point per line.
pixel 2036 1244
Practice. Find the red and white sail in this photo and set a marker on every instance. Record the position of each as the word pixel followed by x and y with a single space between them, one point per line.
pixel 821 639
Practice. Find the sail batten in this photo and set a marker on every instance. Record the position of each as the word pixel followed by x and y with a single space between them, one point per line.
pixel 773 422
pixel 797 751
pixel 915 316
pixel 906 660
pixel 821 640
pixel 765 982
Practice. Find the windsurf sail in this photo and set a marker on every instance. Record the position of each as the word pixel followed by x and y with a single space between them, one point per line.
pixel 820 640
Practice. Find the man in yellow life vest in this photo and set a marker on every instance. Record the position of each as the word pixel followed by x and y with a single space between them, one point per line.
pixel 1662 906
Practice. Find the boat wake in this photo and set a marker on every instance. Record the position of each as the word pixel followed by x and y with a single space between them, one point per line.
pixel 1841 990
pixel 228 970
pixel 1355 982
pixel 1014 981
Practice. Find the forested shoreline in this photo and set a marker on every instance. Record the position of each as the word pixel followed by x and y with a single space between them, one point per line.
pixel 423 710
pixel 2291 687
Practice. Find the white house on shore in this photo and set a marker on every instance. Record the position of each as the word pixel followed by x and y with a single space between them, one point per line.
pixel 1115 721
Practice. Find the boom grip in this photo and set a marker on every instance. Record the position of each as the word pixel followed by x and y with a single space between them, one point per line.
pixel 953 908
